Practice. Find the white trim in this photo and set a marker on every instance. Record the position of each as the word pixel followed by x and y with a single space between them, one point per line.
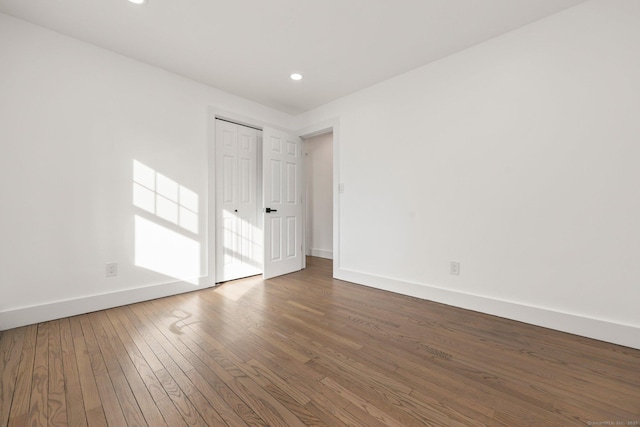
pixel 322 253
pixel 211 194
pixel 15 318
pixel 600 329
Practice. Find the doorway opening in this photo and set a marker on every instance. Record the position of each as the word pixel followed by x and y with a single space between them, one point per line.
pixel 319 195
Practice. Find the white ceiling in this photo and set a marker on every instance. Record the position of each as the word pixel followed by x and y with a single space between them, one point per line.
pixel 249 47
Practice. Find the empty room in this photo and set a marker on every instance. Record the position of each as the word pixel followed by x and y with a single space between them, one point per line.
pixel 319 213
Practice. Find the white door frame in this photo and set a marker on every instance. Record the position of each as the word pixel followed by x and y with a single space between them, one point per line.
pixel 216 113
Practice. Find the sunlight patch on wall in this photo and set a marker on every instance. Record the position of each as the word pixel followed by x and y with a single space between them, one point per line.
pixel 166 225
pixel 157 194
pixel 166 251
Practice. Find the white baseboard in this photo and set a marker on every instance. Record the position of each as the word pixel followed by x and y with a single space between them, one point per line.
pixel 56 310
pixel 603 330
pixel 322 253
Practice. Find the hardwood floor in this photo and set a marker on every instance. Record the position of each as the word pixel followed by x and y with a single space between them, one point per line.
pixel 305 349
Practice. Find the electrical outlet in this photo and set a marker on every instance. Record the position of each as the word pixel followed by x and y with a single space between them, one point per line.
pixel 454 268
pixel 112 269
pixel 341 188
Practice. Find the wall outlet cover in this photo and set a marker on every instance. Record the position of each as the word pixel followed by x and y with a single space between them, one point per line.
pixel 112 269
pixel 454 268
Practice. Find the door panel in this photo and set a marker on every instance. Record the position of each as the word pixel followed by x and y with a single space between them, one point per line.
pixel 282 194
pixel 276 181
pixel 291 236
pixel 228 181
pixel 291 182
pixel 276 247
pixel 239 242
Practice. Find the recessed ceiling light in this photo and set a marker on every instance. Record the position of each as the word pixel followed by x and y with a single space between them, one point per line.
pixel 296 76
pixel 137 1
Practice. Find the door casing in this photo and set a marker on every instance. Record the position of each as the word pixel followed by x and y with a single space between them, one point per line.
pixel 332 125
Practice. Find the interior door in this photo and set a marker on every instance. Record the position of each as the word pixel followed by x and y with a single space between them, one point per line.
pixel 239 237
pixel 282 179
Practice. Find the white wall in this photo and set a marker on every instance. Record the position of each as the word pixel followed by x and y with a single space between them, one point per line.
pixel 319 185
pixel 73 119
pixel 519 159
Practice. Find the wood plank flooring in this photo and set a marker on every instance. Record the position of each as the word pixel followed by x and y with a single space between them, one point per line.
pixel 305 349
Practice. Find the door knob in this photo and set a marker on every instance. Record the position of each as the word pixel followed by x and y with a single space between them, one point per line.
pixel 269 210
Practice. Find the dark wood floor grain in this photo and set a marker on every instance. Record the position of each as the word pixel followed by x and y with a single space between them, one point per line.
pixel 304 349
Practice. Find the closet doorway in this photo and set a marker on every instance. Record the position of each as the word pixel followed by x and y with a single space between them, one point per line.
pixel 258 202
pixel 239 236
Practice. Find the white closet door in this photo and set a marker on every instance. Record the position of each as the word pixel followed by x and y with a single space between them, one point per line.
pixel 282 178
pixel 238 236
